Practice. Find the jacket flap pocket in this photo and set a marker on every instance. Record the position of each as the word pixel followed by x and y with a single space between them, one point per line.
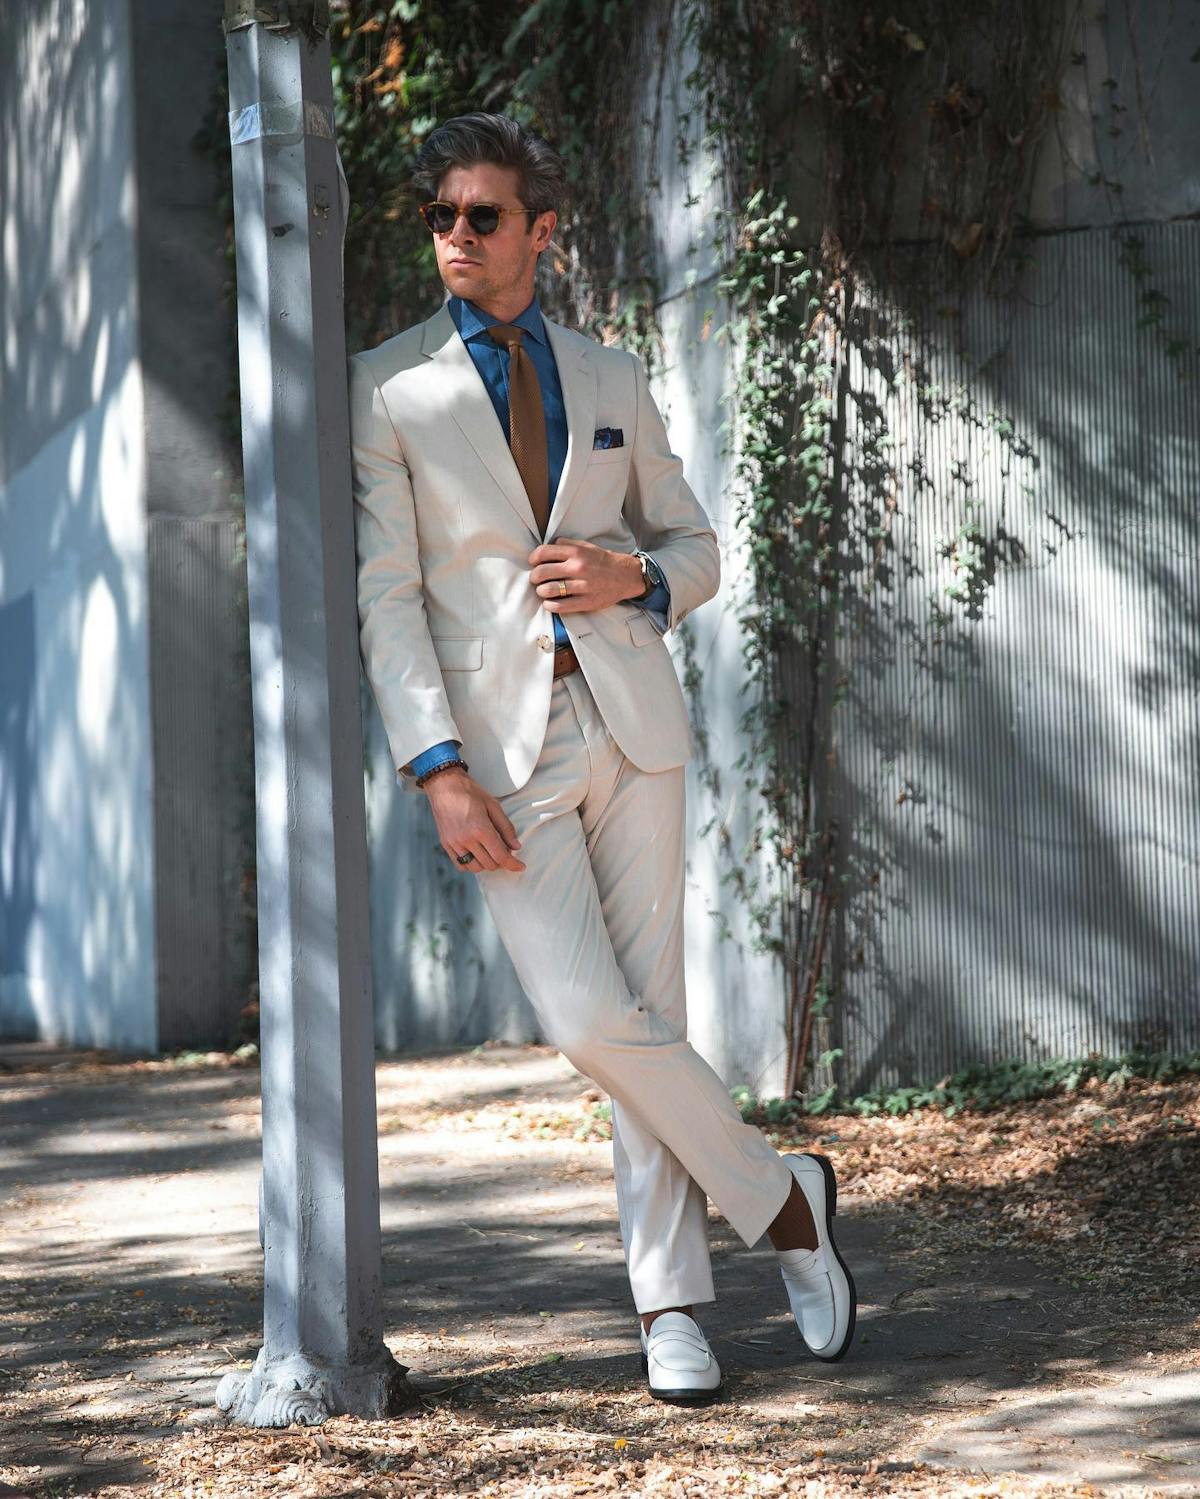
pixel 459 652
pixel 643 628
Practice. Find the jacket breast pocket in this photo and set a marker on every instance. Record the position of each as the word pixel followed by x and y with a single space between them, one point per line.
pixel 458 652
pixel 608 455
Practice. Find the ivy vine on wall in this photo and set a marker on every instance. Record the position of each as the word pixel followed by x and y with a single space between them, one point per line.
pixel 919 123
pixel 875 163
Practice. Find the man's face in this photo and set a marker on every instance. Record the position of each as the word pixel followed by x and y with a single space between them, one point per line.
pixel 490 268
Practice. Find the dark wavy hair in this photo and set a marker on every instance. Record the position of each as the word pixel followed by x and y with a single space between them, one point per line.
pixel 469 139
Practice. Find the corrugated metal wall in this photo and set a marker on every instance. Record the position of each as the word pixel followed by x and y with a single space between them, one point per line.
pixel 1017 766
pixel 1014 792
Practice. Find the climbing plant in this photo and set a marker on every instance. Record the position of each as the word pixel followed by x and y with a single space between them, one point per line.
pixel 836 132
pixel 874 164
pixel 400 68
pixel 921 120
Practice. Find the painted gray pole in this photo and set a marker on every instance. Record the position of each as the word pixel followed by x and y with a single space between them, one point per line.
pixel 323 1351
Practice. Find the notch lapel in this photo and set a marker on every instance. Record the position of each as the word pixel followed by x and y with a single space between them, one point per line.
pixel 468 402
pixel 577 376
pixel 471 407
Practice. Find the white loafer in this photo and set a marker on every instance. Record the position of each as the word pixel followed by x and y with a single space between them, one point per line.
pixel 677 1359
pixel 819 1286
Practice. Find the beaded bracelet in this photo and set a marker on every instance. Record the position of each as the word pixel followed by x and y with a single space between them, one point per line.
pixel 437 769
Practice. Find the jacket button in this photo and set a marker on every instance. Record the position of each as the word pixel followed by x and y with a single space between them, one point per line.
pixel 546 642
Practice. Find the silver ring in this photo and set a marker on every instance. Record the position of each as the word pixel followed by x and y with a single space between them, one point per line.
pixel 465 858
pixel 562 588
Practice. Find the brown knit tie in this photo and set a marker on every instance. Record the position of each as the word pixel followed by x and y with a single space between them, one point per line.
pixel 526 422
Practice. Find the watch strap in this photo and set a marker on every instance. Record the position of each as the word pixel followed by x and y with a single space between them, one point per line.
pixel 651 576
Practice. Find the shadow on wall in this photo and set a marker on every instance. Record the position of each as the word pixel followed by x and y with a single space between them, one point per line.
pixel 1017 748
pixel 76 944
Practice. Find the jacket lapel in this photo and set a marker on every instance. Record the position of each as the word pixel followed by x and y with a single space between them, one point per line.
pixel 470 405
pixel 466 398
pixel 577 376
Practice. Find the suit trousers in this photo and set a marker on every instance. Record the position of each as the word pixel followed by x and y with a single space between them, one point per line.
pixel 594 928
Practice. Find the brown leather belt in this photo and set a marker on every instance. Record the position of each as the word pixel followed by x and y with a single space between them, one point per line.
pixel 565 661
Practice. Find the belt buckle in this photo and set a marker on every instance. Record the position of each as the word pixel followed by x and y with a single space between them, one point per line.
pixel 565 660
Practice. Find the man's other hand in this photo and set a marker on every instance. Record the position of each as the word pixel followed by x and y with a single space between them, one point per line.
pixel 595 577
pixel 469 820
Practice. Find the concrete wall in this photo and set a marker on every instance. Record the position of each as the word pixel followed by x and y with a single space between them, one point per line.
pixel 126 759
pixel 1032 890
pixel 76 827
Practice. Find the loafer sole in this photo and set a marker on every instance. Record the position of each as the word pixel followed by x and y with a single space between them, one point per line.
pixel 684 1396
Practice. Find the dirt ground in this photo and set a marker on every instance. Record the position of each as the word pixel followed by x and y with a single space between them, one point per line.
pixel 1027 1286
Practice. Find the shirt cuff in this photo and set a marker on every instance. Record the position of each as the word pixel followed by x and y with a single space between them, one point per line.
pixel 657 602
pixel 436 754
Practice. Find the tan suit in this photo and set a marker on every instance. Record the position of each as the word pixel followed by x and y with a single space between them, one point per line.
pixel 588 767
pixel 455 641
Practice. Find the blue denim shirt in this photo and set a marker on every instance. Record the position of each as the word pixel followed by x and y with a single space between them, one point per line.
pixel 491 360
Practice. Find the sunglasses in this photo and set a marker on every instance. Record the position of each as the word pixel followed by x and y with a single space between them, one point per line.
pixel 484 218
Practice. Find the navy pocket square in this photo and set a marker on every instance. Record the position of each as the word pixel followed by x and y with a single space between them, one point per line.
pixel 608 437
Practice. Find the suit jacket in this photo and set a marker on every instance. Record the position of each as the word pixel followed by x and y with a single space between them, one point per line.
pixel 455 642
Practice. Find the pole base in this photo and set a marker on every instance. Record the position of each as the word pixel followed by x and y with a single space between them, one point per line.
pixel 298 1391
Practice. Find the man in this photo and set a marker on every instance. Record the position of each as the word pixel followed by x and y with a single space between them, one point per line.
pixel 525 538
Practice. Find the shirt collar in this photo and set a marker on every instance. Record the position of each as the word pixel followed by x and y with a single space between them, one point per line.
pixel 472 321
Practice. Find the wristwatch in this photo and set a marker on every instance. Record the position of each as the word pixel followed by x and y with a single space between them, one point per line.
pixel 651 575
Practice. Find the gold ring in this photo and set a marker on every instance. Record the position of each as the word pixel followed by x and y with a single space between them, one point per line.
pixel 562 588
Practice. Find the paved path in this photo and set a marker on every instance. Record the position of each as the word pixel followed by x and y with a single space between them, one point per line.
pixel 130 1276
pixel 1116 1435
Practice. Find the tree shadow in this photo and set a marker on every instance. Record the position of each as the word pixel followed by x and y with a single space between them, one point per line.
pixel 124 817
pixel 496 1310
pixel 73 816
pixel 1003 759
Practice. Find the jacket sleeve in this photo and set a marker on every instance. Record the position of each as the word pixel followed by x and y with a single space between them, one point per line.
pixel 397 652
pixel 665 516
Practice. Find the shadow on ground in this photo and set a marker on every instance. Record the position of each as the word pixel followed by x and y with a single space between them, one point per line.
pixel 130 1280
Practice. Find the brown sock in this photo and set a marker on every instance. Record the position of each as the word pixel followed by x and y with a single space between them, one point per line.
pixel 648 1317
pixel 793 1226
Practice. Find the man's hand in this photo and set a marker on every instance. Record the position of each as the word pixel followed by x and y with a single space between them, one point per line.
pixel 595 577
pixel 469 820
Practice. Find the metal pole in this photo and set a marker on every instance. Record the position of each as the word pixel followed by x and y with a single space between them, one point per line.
pixel 323 1352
